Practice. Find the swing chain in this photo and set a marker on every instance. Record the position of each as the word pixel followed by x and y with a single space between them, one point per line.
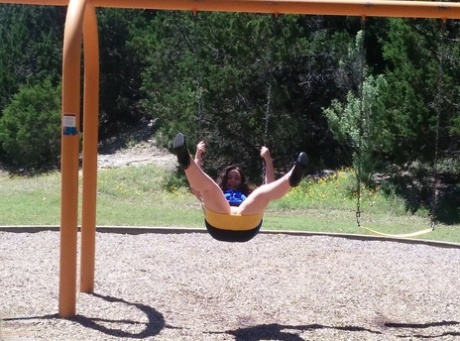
pixel 267 111
pixel 439 86
pixel 200 118
pixel 268 104
pixel 361 117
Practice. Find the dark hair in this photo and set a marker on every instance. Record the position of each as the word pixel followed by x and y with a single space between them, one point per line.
pixel 223 178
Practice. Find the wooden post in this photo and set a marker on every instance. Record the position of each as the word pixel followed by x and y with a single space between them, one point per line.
pixel 90 142
pixel 69 156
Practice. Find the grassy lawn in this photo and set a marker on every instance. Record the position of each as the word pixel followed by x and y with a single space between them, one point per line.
pixel 150 196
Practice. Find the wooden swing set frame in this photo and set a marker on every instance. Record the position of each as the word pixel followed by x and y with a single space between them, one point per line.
pixel 81 30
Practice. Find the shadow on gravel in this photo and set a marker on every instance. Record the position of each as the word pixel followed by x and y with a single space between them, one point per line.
pixel 425 326
pixel 282 332
pixel 290 332
pixel 153 326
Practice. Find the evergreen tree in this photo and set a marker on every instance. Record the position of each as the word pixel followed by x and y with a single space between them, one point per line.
pixel 30 126
pixel 31 47
pixel 411 74
pixel 120 69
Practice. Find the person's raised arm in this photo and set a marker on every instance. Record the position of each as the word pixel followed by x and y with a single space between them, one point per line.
pixel 200 150
pixel 269 170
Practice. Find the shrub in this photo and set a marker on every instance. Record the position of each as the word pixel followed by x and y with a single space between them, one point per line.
pixel 30 126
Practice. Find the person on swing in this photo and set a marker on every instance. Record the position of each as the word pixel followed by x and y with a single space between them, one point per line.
pixel 233 212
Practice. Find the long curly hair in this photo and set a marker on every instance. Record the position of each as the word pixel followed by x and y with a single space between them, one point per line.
pixel 244 187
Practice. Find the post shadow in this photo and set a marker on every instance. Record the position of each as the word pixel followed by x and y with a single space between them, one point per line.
pixel 153 326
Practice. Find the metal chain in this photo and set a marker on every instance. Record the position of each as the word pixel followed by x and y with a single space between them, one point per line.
pixel 362 55
pixel 268 110
pixel 439 91
pixel 268 104
pixel 199 118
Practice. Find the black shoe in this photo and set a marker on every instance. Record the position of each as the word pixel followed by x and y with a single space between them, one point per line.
pixel 299 170
pixel 180 148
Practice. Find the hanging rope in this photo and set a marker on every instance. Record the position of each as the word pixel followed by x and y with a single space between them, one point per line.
pixel 362 114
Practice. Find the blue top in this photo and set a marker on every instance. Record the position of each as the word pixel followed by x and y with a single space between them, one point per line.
pixel 234 198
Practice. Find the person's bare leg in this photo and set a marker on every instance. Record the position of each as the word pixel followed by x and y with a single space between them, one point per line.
pixel 211 194
pixel 258 200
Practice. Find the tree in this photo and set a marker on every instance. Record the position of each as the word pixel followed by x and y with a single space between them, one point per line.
pixel 31 46
pixel 30 126
pixel 121 68
pixel 256 79
pixel 356 125
pixel 411 74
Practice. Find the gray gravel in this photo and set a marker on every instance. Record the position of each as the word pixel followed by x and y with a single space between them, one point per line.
pixel 275 287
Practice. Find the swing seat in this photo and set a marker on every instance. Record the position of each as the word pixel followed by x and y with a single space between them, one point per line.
pixel 232 227
pixel 232 236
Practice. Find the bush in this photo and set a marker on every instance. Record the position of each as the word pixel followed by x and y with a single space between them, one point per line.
pixel 30 127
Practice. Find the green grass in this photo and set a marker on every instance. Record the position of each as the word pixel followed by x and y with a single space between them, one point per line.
pixel 150 196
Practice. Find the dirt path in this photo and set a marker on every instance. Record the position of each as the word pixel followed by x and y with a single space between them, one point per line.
pixel 145 152
pixel 135 147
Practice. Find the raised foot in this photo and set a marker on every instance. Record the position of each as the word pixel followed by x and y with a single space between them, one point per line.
pixel 299 169
pixel 180 148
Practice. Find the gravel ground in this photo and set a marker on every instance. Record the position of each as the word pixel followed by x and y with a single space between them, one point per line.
pixel 173 287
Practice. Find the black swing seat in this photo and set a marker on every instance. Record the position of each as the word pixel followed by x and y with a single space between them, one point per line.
pixel 232 236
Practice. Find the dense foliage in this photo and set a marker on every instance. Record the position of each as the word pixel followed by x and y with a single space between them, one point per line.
pixel 30 126
pixel 243 80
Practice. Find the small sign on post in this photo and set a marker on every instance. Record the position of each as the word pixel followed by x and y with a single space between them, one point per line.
pixel 69 124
